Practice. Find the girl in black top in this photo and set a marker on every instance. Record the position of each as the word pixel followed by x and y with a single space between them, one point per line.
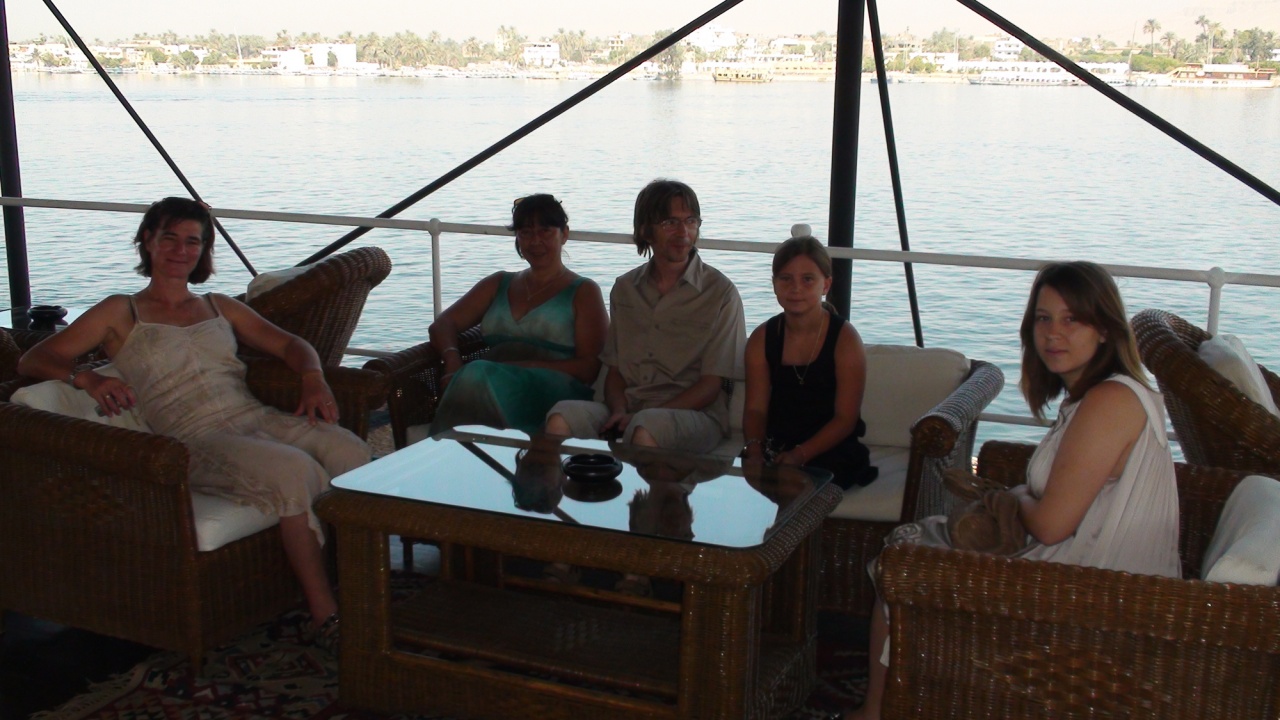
pixel 806 370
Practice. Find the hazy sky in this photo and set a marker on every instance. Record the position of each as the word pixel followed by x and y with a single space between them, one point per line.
pixel 1113 19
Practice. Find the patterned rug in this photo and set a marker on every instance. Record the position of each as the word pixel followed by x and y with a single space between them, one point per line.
pixel 272 673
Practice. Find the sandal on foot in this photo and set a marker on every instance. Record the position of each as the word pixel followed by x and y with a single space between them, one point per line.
pixel 327 635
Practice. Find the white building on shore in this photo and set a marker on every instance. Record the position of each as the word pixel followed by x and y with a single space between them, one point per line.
pixel 540 54
pixel 1006 48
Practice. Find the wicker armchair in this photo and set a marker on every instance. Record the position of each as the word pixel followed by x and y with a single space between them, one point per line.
pixel 941 439
pixel 323 304
pixel 413 377
pixel 979 636
pixel 97 532
pixel 1216 424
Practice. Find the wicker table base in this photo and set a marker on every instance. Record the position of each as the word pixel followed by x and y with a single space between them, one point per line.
pixel 741 645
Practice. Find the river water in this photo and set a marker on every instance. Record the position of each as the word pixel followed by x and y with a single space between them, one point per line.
pixel 1015 171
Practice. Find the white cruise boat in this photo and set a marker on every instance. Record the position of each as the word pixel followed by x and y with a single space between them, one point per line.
pixel 1221 75
pixel 1048 74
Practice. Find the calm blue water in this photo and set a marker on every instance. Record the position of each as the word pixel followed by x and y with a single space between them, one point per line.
pixel 1026 172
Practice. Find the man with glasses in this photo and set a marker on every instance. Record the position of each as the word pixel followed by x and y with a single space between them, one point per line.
pixel 676 331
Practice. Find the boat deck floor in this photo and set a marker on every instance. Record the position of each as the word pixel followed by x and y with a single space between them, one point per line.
pixel 43 664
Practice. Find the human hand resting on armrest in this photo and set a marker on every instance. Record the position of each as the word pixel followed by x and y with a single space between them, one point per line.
pixel 317 401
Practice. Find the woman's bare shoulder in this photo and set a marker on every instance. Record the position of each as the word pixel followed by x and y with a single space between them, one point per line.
pixel 1113 403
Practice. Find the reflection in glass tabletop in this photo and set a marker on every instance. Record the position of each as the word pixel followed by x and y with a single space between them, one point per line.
pixel 696 498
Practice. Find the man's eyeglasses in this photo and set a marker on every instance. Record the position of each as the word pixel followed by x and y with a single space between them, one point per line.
pixel 690 223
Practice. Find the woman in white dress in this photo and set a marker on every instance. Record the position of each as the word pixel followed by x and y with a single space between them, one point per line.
pixel 177 354
pixel 1100 486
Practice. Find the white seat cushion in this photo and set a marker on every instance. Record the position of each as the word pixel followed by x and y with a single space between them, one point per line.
pixel 220 521
pixel 881 501
pixel 1229 358
pixel 1244 547
pixel 58 397
pixel 903 383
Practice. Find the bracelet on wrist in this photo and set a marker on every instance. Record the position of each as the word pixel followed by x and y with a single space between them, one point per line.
pixel 75 371
pixel 450 348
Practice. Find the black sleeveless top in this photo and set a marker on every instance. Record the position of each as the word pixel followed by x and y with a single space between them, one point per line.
pixel 803 398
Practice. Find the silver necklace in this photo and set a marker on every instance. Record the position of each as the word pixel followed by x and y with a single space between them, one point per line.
pixel 812 351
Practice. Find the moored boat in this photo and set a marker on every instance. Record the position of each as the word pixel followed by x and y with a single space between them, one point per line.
pixel 1222 75
pixel 1048 74
pixel 743 75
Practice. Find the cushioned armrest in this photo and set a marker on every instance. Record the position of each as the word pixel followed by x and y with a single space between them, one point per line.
pixel 944 438
pixel 936 433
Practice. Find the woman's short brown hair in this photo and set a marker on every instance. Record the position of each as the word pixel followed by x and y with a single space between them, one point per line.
pixel 166 212
pixel 1093 298
pixel 653 205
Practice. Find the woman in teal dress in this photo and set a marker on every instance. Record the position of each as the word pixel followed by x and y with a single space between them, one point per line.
pixel 545 327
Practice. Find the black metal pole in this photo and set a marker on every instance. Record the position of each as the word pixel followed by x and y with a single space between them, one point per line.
pixel 15 230
pixel 844 146
pixel 102 73
pixel 1126 102
pixel 532 125
pixel 877 48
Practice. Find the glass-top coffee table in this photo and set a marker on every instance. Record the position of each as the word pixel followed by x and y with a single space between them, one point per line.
pixel 737 641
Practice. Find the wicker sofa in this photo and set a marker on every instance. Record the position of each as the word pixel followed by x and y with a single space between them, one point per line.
pixel 98 530
pixel 936 432
pixel 978 636
pixel 1215 423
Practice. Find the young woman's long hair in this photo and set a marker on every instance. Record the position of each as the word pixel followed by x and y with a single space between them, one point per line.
pixel 1093 298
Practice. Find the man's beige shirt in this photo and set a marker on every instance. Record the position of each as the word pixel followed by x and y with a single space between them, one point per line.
pixel 662 344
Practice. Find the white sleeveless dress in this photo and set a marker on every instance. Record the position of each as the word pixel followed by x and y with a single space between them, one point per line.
pixel 191 386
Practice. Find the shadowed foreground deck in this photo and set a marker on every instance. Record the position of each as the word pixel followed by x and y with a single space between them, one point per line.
pixel 43 665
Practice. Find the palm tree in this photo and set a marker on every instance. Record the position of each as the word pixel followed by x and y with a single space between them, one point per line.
pixel 1150 28
pixel 1169 39
pixel 1203 22
pixel 1215 32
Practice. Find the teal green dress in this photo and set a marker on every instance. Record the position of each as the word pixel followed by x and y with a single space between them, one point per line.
pixel 493 393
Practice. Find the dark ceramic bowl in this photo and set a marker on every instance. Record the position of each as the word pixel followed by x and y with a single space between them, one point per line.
pixel 592 467
pixel 592 490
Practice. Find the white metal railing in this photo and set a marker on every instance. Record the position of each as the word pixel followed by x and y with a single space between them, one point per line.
pixel 1216 278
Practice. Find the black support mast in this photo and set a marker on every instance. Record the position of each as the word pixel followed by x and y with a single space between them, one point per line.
pixel 15 229
pixel 844 145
